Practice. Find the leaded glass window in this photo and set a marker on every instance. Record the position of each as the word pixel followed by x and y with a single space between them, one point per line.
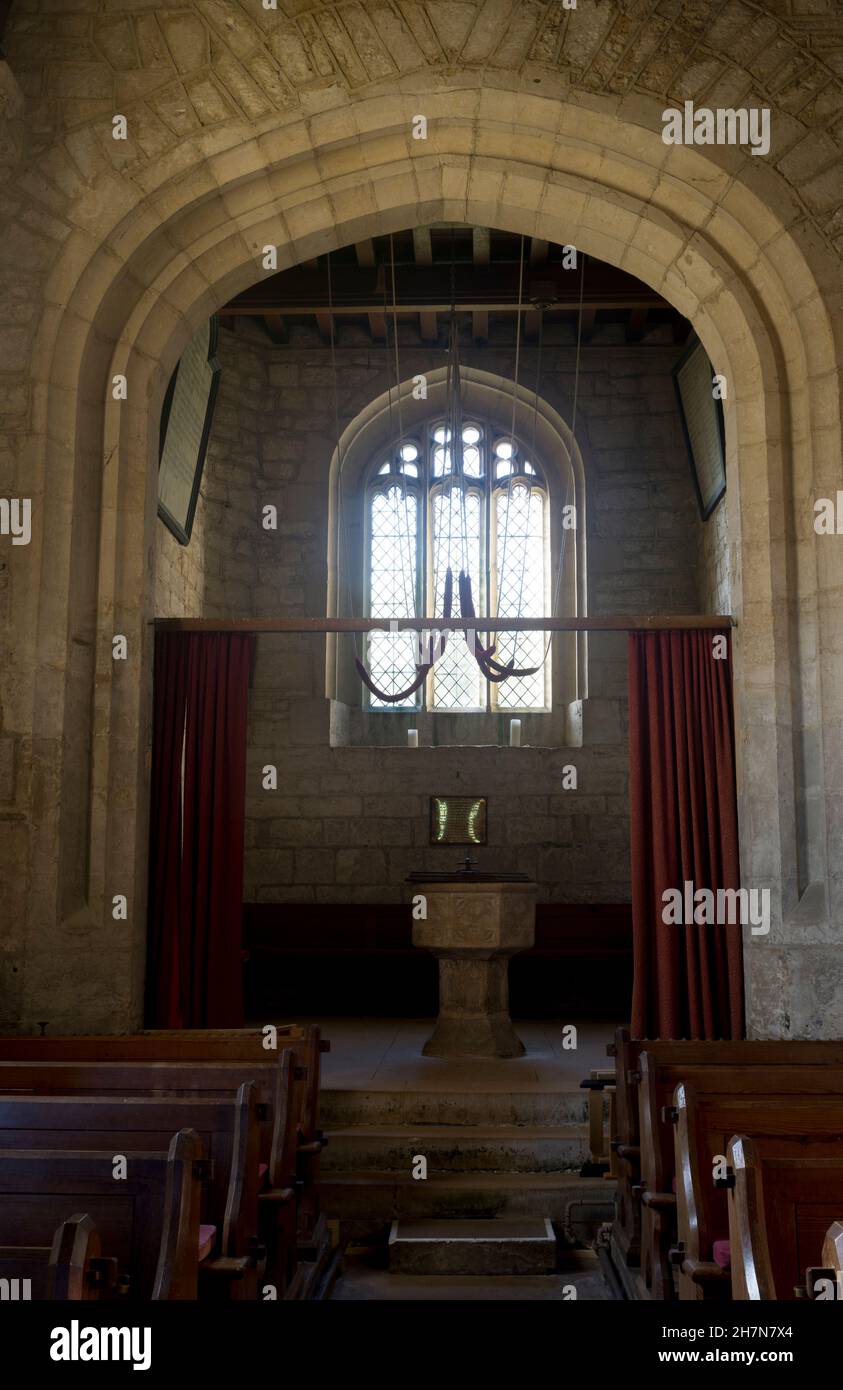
pixel 492 523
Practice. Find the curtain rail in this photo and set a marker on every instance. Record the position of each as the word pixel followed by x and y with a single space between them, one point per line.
pixel 622 622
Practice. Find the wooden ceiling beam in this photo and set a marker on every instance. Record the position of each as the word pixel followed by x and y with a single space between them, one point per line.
pixel 489 288
pixel 623 622
pixel 367 259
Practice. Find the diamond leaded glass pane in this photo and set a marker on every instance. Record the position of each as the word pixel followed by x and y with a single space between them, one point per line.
pixel 457 531
pixel 392 591
pixel 520 580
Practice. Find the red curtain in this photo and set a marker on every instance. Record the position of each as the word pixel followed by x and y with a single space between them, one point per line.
pixel 197 823
pixel 688 978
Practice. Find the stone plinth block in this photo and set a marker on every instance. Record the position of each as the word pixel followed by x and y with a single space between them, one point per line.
pixel 525 1245
pixel 473 929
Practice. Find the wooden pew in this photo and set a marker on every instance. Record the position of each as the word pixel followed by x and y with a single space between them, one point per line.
pixel 148 1221
pixel 656 1188
pixel 780 1124
pixel 192 1045
pixel 626 1140
pixel 229 1133
pixel 779 1207
pixel 826 1282
pixel 71 1267
pixel 211 1045
pixel 273 1082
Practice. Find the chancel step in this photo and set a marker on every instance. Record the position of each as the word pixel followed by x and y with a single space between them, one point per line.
pixel 346 1108
pixel 501 1246
pixel 364 1201
pixel 458 1148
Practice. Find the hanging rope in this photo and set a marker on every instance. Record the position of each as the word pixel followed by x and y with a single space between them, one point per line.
pixel 492 669
pixel 563 538
pixel 452 451
pixel 502 569
pixel 343 528
pixel 400 490
pixel 423 669
pixel 523 570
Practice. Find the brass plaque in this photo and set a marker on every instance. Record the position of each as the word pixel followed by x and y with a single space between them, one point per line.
pixel 458 820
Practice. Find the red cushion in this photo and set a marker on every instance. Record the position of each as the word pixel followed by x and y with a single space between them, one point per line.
pixel 722 1254
pixel 207 1236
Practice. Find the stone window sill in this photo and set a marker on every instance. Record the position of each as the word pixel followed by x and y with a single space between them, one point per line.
pixel 353 727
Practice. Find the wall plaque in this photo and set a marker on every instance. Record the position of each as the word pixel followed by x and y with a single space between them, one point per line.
pixel 186 418
pixel 702 423
pixel 458 820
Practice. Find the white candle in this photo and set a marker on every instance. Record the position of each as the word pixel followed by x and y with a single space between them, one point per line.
pixel 515 733
pixel 412 738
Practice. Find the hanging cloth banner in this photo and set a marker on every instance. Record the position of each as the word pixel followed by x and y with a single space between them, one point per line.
pixel 423 671
pixel 492 670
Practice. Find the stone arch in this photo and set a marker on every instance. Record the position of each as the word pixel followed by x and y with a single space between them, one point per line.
pixel 490 396
pixel 716 236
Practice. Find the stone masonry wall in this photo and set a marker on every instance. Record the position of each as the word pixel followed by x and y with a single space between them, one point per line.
pixel 715 564
pixel 348 823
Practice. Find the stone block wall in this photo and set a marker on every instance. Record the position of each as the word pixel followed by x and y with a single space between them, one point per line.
pixel 348 823
pixel 715 562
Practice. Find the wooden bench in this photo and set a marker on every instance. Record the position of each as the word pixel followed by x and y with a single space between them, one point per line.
pixel 272 1080
pixel 229 1245
pixel 780 1207
pixel 148 1221
pixel 656 1187
pixel 826 1282
pixel 71 1267
pixel 779 1123
pixel 192 1045
pixel 626 1140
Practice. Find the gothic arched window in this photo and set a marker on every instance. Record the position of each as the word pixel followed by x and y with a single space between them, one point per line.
pixel 422 519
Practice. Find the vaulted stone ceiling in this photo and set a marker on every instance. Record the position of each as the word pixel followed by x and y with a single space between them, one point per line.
pixel 174 69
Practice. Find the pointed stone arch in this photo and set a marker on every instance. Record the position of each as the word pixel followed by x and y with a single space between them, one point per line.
pixel 718 236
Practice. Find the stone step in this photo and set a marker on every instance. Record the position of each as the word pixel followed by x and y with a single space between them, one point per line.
pixel 340 1109
pixel 367 1199
pixel 503 1246
pixel 457 1148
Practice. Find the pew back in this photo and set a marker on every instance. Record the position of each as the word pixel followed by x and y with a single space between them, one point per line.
pixel 227 1128
pixel 779 1209
pixel 69 1268
pixel 626 1139
pixel 112 1080
pixel 781 1125
pixel 221 1046
pixel 658 1082
pixel 148 1220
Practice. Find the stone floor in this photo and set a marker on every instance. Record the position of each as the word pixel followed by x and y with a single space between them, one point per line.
pixel 385 1054
pixel 362 1281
